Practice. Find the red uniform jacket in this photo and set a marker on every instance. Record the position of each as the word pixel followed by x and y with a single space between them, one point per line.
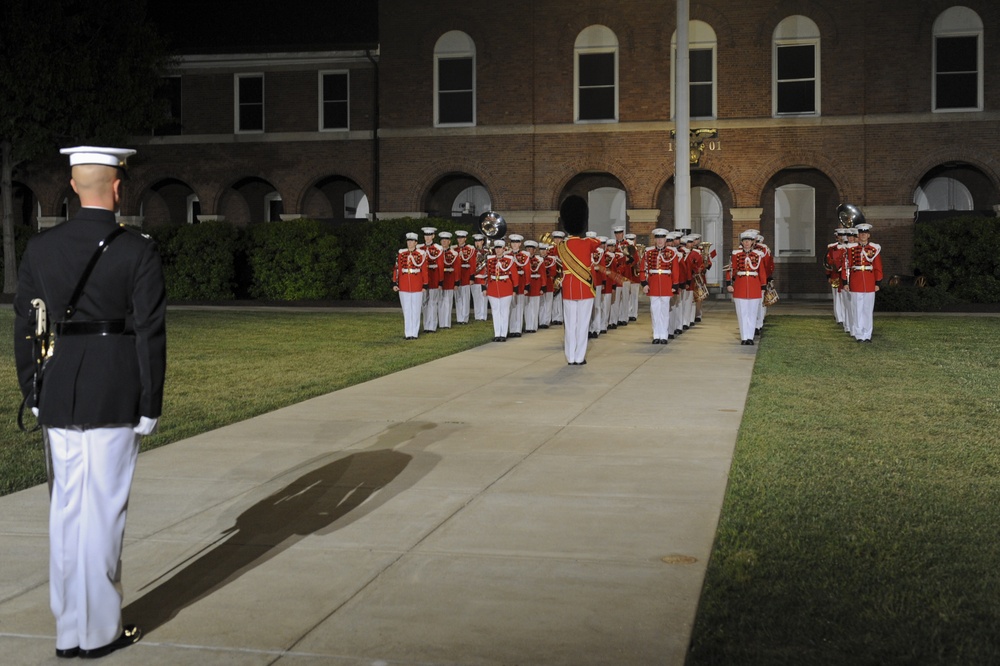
pixel 434 273
pixel 451 269
pixel 501 276
pixel 747 274
pixel 862 266
pixel 834 263
pixel 658 269
pixel 467 263
pixel 537 279
pixel 553 269
pixel 582 250
pixel 410 272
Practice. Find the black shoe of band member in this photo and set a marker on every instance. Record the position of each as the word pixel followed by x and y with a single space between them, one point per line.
pixel 131 635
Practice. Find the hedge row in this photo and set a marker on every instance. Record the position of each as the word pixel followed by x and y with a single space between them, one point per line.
pixel 293 260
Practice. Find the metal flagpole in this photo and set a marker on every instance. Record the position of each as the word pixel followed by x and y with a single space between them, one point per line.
pixel 682 121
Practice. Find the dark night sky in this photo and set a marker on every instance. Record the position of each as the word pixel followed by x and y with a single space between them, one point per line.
pixel 218 26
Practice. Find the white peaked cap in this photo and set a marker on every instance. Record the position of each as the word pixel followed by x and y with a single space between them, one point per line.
pixel 112 157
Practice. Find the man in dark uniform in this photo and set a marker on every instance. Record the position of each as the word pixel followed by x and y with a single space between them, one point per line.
pixel 102 390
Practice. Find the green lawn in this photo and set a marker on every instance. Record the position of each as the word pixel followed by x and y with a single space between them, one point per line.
pixel 226 366
pixel 860 523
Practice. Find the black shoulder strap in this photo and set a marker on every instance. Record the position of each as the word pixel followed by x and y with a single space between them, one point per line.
pixel 101 248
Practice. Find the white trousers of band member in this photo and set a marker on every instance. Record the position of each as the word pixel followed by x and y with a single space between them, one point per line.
pixel 501 307
pixel 847 310
pixel 545 311
pixel 761 313
pixel 746 314
pixel 863 303
pixel 462 296
pixel 620 315
pixel 557 308
pixel 595 309
pixel 410 302
pixel 633 300
pixel 479 302
pixel 430 309
pixel 444 307
pixel 675 314
pixel 516 318
pixel 687 297
pixel 531 309
pixel 838 305
pixel 91 478
pixel 659 312
pixel 606 308
pixel 576 316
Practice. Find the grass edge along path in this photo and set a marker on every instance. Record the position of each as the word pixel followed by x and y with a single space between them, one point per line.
pixel 225 366
pixel 860 521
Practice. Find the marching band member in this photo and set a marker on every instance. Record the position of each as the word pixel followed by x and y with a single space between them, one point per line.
pixel 533 288
pixel 692 268
pixel 578 281
pixel 555 276
pixel 450 273
pixel 745 281
pixel 863 274
pixel 832 263
pixel 479 302
pixel 545 310
pixel 610 286
pixel 768 267
pixel 634 269
pixel 501 286
pixel 521 258
pixel 627 259
pixel 681 279
pixel 850 240
pixel 467 268
pixel 596 257
pixel 409 279
pixel 432 299
pixel 703 262
pixel 658 267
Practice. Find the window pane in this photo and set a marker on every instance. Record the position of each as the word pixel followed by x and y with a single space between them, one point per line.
pixel 957 54
pixel 701 66
pixel 334 87
pixel 251 117
pixel 455 107
pixel 597 69
pixel 251 90
pixel 796 62
pixel 957 91
pixel 597 104
pixel 797 97
pixel 334 115
pixel 455 74
pixel 701 101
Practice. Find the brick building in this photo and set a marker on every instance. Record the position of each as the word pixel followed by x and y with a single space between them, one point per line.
pixel 458 107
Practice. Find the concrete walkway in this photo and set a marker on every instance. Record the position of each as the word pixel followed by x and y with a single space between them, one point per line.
pixel 496 507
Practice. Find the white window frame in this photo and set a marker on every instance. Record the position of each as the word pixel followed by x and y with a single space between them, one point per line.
pixel 322 100
pixel 192 199
pixel 236 102
pixel 701 37
pixel 592 40
pixel 781 236
pixel 796 31
pixel 454 45
pixel 268 199
pixel 958 22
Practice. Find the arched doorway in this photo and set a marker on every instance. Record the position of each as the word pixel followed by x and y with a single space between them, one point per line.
pixel 707 220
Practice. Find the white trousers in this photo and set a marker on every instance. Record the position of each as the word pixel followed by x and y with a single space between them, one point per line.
pixel 863 303
pixel 576 317
pixel 501 307
pixel 444 307
pixel 595 310
pixel 479 302
pixel 430 309
pixel 633 302
pixel 687 297
pixel 746 313
pixel 462 296
pixel 91 478
pixel 675 314
pixel 531 312
pixel 545 311
pixel 557 308
pixel 838 305
pixel 659 312
pixel 606 308
pixel 410 302
pixel 516 323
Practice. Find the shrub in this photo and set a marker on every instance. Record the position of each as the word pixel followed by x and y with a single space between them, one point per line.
pixel 292 260
pixel 959 254
pixel 909 298
pixel 198 260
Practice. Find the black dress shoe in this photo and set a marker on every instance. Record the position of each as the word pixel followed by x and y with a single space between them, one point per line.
pixel 697 319
pixel 496 339
pixel 671 336
pixel 68 653
pixel 631 318
pixel 131 635
pixel 583 362
pixel 503 339
pixel 750 342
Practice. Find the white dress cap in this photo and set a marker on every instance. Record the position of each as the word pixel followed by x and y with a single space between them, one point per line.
pixel 618 230
pixel 445 234
pixel 515 238
pixel 112 157
pixel 498 243
pixel 559 234
pixel 411 236
pixel 461 233
pixel 591 234
pixel 429 231
pixel 530 243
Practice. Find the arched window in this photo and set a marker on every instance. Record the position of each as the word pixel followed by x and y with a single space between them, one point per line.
pixel 943 193
pixel 957 84
pixel 795 58
pixel 702 48
pixel 454 80
pixel 794 221
pixel 595 74
pixel 356 205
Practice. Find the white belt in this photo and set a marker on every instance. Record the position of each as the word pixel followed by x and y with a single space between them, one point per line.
pixel 754 273
pixel 411 270
pixel 499 277
pixel 432 265
pixel 449 270
pixel 861 268
pixel 660 271
pixel 535 276
pixel 466 265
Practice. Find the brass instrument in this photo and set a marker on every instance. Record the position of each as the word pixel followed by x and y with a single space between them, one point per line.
pixel 492 224
pixel 850 215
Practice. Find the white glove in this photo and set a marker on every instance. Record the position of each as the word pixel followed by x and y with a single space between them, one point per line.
pixel 34 410
pixel 147 426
